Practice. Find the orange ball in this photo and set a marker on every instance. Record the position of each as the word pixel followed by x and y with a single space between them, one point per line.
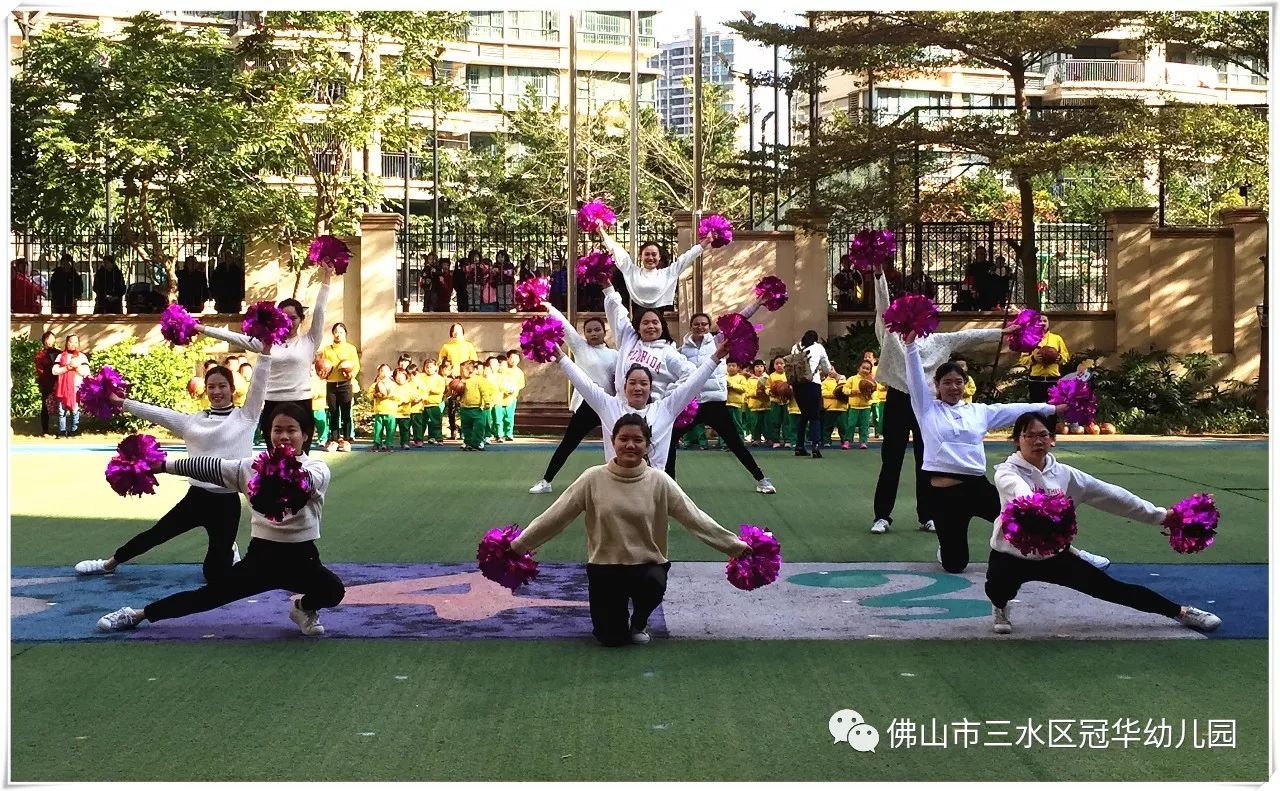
pixel 1048 354
pixel 456 387
pixel 1061 428
pixel 323 369
pixel 1092 428
pixel 194 386
pixel 1107 428
pixel 866 387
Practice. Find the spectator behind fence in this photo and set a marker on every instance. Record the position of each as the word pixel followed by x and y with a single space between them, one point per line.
pixel 24 294
pixel 226 282
pixel 461 275
pixel 193 286
pixel 993 289
pixel 976 273
pixel 920 283
pixel 504 280
pixel 528 268
pixel 108 286
pixel 846 284
pixel 559 285
pixel 45 380
pixel 65 286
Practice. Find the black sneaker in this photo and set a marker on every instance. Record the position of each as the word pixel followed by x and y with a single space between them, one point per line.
pixel 817 454
pixel 803 452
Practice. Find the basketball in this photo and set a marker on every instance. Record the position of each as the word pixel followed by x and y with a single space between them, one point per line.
pixel 1077 429
pixel 1048 355
pixel 781 390
pixel 346 368
pixel 456 387
pixel 866 387
pixel 1107 428
pixel 323 369
pixel 194 386
pixel 1061 428
pixel 1092 428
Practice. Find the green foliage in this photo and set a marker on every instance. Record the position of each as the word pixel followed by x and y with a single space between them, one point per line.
pixel 24 398
pixel 1240 37
pixel 157 376
pixel 845 351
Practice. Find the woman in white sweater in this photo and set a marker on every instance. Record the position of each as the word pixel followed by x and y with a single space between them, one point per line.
pixel 281 555
pixel 223 431
pixel 1032 468
pixel 290 380
pixel 647 342
pixel 627 505
pixel 598 361
pixel 651 285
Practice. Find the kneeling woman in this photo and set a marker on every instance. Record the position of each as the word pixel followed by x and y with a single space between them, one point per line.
pixel 627 505
pixel 1032 468
pixel 281 555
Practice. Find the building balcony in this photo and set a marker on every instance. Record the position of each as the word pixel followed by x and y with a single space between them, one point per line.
pixel 1097 71
pixel 1076 81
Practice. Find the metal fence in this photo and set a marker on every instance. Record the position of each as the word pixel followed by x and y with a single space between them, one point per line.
pixel 489 286
pixel 974 266
pixel 143 276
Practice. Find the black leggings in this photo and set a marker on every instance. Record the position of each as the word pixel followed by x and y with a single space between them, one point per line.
pixel 217 512
pixel 267 565
pixel 338 399
pixel 1006 573
pixel 308 420
pixel 45 392
pixel 716 414
pixel 584 419
pixel 953 507
pixel 809 399
pixel 899 419
pixel 451 408
pixel 611 586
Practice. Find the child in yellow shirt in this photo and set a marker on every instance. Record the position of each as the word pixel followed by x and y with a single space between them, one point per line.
pixel 382 396
pixel 476 400
pixel 406 393
pixel 861 392
pixel 835 408
pixel 737 400
pixel 515 377
pixel 319 403
pixel 970 386
pixel 757 403
pixel 776 432
pixel 431 387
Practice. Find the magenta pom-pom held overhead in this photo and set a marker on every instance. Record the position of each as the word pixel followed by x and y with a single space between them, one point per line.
pixel 596 267
pixel 772 292
pixel 1081 403
pixel 688 415
pixel 532 292
pixel 720 229
pixel 329 250
pixel 761 565
pixel 266 323
pixel 499 563
pixel 871 247
pixel 131 470
pixel 592 211
pixel 280 486
pixel 94 390
pixel 912 313
pixel 177 326
pixel 741 335
pixel 1039 524
pixel 540 337
pixel 1028 333
pixel 1191 524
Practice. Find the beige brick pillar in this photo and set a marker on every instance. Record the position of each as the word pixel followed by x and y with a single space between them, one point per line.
pixel 808 304
pixel 1129 275
pixel 1248 286
pixel 689 291
pixel 370 287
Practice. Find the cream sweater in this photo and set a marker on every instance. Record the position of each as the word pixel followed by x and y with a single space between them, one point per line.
pixel 627 511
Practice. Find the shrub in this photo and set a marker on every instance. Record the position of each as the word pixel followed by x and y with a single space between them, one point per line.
pixel 158 376
pixel 25 397
pixel 845 351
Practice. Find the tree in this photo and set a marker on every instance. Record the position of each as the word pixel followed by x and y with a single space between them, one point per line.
pixel 1239 37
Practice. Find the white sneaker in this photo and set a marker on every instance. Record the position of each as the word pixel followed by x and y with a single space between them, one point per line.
pixel 235 553
pixel 881 526
pixel 541 487
pixel 1200 620
pixel 307 620
pixel 939 556
pixel 928 527
pixel 1000 620
pixel 765 486
pixel 127 618
pixel 641 637
pixel 88 567
pixel 1097 561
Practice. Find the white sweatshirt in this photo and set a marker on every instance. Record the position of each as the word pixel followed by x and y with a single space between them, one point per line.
pixel 236 473
pixel 1017 477
pixel 223 434
pixel 717 387
pixel 599 362
pixel 819 363
pixel 290 378
pixel 953 435
pixel 651 288
pixel 663 359
pixel 660 414
pixel 935 349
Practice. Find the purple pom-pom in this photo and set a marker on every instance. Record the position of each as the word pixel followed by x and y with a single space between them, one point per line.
pixel 742 336
pixel 1082 404
pixel 280 486
pixel 720 228
pixel 912 313
pixel 539 338
pixel 94 390
pixel 177 326
pixel 1039 524
pixel 130 471
pixel 267 323
pixel 502 565
pixel 331 251
pixel 532 292
pixel 595 210
pixel 772 292
pixel 761 565
pixel 871 247
pixel 688 415
pixel 1192 523
pixel 1029 333
pixel 596 267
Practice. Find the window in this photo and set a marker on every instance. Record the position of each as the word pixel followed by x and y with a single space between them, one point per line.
pixel 546 84
pixel 533 25
pixel 613 28
pixel 892 102
pixel 485 24
pixel 484 87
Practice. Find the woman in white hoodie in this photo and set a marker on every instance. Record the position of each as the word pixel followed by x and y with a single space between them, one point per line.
pixel 651 285
pixel 646 342
pixel 1032 468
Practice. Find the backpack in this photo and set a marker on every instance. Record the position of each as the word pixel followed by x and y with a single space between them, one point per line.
pixel 795 367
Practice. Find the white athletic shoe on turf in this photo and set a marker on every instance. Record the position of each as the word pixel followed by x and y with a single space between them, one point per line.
pixel 307 620
pixel 235 553
pixel 1000 620
pixel 641 637
pixel 765 486
pixel 1097 561
pixel 127 618
pixel 880 526
pixel 1200 620
pixel 928 527
pixel 939 556
pixel 88 567
pixel 541 487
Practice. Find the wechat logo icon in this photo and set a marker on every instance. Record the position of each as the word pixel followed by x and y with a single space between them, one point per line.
pixel 847 725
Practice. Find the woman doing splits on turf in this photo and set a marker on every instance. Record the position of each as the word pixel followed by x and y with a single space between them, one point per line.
pixel 598 361
pixel 1032 468
pixel 223 431
pixel 627 504
pixel 281 555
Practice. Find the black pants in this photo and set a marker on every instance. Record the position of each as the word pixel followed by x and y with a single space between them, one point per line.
pixel 809 399
pixel 716 414
pixel 451 409
pixel 899 420
pixel 108 305
pixel 267 565
pixel 45 392
pixel 610 587
pixel 338 399
pixel 1006 573
pixel 584 419
pixel 952 508
pixel 1038 388
pixel 308 424
pixel 217 512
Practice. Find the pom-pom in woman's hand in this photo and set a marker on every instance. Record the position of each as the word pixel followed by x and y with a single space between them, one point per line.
pixel 722 351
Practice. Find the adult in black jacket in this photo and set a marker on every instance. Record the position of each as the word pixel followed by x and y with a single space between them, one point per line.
pixel 65 286
pixel 226 281
pixel 193 286
pixel 108 286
